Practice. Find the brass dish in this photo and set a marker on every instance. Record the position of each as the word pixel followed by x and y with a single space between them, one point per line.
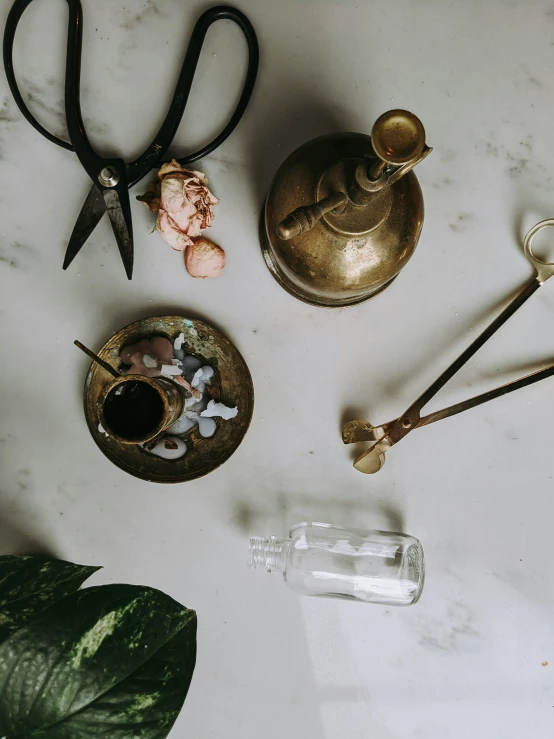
pixel 232 385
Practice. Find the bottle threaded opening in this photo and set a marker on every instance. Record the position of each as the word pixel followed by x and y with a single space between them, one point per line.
pixel 265 551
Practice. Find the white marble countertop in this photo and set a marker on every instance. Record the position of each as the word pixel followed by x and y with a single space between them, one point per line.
pixel 477 489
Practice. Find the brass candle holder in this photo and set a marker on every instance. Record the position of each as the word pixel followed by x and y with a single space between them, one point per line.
pixel 344 212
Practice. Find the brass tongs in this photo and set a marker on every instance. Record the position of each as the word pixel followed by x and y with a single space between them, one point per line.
pixel 392 432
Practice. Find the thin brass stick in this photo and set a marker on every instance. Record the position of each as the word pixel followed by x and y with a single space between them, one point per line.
pixel 96 358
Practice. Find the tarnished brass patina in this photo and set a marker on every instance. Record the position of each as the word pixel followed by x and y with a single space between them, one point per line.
pixel 232 385
pixel 343 215
pixel 171 406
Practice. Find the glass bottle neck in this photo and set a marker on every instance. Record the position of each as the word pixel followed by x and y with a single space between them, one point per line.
pixel 267 551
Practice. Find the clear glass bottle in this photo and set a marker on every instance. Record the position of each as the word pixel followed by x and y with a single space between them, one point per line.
pixel 324 560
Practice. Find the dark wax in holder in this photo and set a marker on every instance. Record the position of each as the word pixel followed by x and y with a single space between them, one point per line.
pixel 136 409
pixel 133 410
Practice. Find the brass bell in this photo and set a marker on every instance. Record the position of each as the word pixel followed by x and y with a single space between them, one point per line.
pixel 344 212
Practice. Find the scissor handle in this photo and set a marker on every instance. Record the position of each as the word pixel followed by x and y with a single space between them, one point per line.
pixel 75 126
pixel 545 270
pixel 152 156
pixel 14 16
pixel 162 141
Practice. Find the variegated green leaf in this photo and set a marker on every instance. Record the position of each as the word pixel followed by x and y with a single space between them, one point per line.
pixel 28 585
pixel 113 662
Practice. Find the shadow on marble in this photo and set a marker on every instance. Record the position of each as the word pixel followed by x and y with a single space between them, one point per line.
pixel 291 119
pixel 351 413
pixel 312 626
pixel 124 315
pixel 121 316
pixel 16 539
pixel 286 509
pixel 529 207
pixel 437 353
pixel 513 371
pixel 488 379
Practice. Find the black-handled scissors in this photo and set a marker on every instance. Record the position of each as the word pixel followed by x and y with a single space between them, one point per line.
pixel 112 177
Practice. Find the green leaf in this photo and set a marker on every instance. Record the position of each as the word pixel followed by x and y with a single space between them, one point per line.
pixel 28 585
pixel 113 662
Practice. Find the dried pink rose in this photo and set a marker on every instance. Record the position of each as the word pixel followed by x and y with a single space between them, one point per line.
pixel 183 203
pixel 204 259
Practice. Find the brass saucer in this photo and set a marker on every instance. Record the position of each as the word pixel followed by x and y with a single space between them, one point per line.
pixel 232 385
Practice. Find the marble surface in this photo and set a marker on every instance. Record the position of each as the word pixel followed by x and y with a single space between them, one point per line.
pixel 476 489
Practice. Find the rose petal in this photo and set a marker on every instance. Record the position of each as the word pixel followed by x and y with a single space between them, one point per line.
pixel 204 259
pixel 174 201
pixel 162 348
pixel 151 198
pixel 127 352
pixel 170 232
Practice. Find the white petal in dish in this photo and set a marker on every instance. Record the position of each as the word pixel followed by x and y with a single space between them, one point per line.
pixel 219 409
pixel 169 447
pixel 182 425
pixel 150 361
pixel 171 369
pixel 206 427
pixel 178 343
pixel 197 377
pixel 207 373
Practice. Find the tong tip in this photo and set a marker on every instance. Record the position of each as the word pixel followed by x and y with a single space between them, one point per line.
pixel 370 461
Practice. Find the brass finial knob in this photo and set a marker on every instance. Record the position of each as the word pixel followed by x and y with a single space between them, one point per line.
pixel 304 218
pixel 398 137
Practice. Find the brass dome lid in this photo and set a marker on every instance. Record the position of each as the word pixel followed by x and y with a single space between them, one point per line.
pixel 339 223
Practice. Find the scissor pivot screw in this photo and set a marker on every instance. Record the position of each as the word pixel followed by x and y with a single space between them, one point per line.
pixel 406 423
pixel 109 177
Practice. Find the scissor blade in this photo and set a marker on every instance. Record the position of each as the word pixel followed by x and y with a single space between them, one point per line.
pixel 119 211
pixel 92 211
